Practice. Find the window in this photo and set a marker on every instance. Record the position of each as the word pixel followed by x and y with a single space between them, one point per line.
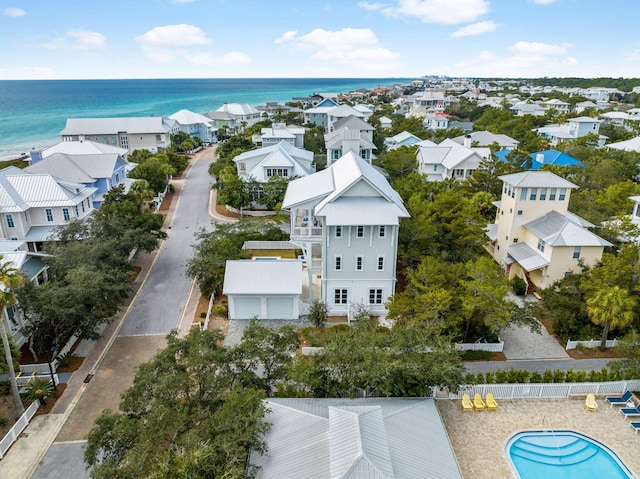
pixel 523 193
pixel 105 140
pixel 543 194
pixel 380 263
pixel 124 142
pixel 541 245
pixel 381 232
pixel 360 232
pixel 277 172
pixel 76 207
pixel 515 240
pixel 65 214
pixel 158 138
pixel 10 222
pixel 338 263
pixel 435 167
pixel 576 252
pixel 117 178
pixel 534 194
pixel 338 231
pixel 519 212
pixel 242 167
pixel 340 296
pixel 552 194
pixel 359 263
pixel 375 296
pixel 113 140
pixel 82 204
pixel 563 194
pixel 458 173
pixel 336 154
pixel 365 154
pixel 49 214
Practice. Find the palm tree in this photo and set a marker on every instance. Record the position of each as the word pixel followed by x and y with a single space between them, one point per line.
pixel 142 192
pixel 10 279
pixel 611 307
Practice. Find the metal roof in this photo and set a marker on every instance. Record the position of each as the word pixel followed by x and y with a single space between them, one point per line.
pixel 85 147
pixel 527 257
pixel 41 233
pixel 536 179
pixel 355 438
pixel 353 123
pixel 366 210
pixel 113 126
pixel 250 277
pixel 187 117
pixel 558 230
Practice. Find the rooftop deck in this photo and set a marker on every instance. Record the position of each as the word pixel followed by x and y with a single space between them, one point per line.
pixel 479 437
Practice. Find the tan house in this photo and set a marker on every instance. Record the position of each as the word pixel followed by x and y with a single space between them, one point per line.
pixel 535 236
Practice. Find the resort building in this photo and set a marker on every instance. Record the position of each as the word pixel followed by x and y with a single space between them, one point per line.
pixel 346 219
pixel 151 133
pixel 534 235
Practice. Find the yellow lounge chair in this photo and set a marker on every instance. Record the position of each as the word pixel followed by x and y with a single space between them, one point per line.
pixel 478 403
pixel 492 405
pixel 590 403
pixel 467 405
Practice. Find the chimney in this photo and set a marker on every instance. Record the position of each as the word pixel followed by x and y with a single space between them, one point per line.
pixel 540 158
pixel 467 141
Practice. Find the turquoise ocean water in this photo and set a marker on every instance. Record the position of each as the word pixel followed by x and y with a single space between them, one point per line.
pixel 33 112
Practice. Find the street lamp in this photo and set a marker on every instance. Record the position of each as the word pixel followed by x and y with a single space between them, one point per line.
pixel 54 348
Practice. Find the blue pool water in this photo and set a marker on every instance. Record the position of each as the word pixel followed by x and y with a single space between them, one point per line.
pixel 563 455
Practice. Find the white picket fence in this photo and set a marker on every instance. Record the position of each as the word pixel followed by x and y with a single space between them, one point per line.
pixel 592 343
pixel 543 390
pixel 477 346
pixel 17 428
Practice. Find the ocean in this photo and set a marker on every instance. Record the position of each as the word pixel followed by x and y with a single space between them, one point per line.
pixel 33 112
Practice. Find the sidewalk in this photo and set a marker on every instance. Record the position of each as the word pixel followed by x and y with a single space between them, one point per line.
pixel 27 452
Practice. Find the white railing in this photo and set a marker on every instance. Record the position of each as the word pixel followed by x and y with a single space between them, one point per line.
pixel 23 380
pixel 307 232
pixel 40 368
pixel 17 428
pixel 592 343
pixel 492 347
pixel 545 390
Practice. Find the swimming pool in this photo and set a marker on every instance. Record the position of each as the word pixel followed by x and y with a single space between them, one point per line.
pixel 563 455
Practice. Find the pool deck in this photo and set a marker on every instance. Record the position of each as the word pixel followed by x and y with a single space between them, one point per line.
pixel 479 437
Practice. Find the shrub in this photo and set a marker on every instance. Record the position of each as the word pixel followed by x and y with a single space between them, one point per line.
pixel 473 355
pixel 519 286
pixel 470 378
pixel 219 310
pixel 338 329
pixel 65 359
pixel 317 313
pixel 203 314
pixel 535 377
pixel 3 421
pixel 38 389
pixel 5 388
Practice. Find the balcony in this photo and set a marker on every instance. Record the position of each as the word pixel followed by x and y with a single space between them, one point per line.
pixel 305 228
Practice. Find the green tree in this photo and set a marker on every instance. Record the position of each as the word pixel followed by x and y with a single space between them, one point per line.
pixel 400 162
pixel 611 307
pixel 189 413
pixel 232 190
pixel 155 170
pixel 273 192
pixel 10 280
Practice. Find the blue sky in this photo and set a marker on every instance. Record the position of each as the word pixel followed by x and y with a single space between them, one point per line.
pixel 70 39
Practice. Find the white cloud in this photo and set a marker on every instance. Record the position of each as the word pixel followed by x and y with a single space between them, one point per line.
pixel 357 48
pixel 476 29
pixel 26 73
pixel 446 12
pixel 181 2
pixel 544 2
pixel 14 12
pixel 525 60
pixel 372 7
pixel 181 42
pixel 286 37
pixel 79 40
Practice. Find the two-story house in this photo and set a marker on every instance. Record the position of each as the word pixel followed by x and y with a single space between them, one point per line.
pixel 448 159
pixel 195 124
pixel 350 134
pixel 278 132
pixel 535 236
pixel 403 138
pixel 346 220
pixel 95 165
pixel 327 113
pixel 244 114
pixel 486 139
pixel 151 133
pixel 574 128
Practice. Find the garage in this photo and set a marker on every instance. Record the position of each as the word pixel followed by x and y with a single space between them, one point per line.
pixel 268 290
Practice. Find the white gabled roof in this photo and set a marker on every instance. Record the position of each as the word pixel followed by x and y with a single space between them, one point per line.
pixel 282 154
pixel 187 117
pixel 558 230
pixel 240 109
pixel 628 145
pixel 113 126
pixel 254 277
pixel 486 138
pixel 448 153
pixel 536 179
pixel 402 136
pixel 85 147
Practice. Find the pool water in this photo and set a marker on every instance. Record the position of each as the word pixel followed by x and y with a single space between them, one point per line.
pixel 563 455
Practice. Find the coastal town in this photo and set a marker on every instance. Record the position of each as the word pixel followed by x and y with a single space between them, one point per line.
pixel 350 284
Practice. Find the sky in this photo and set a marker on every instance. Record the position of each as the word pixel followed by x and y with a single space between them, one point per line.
pixel 108 39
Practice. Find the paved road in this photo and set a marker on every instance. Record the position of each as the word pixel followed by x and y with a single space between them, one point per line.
pixel 161 302
pixel 158 309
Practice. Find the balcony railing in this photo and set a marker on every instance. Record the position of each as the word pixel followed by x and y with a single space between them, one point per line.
pixel 307 232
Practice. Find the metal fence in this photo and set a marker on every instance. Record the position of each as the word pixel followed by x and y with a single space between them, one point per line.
pixel 543 390
pixel 592 343
pixel 17 428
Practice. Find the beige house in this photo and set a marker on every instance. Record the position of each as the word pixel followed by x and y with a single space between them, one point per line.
pixel 535 236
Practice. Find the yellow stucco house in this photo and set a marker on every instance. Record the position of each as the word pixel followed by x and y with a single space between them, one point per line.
pixel 534 235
